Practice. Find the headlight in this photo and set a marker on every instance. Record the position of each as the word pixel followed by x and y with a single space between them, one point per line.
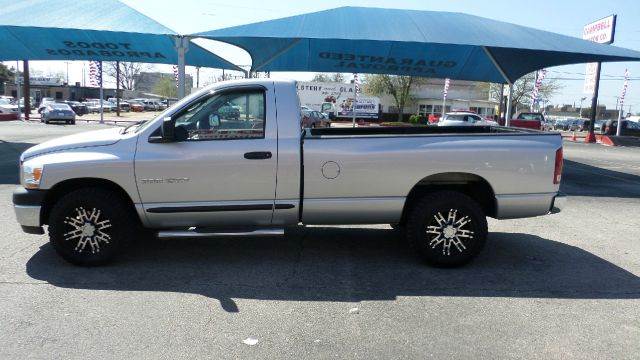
pixel 30 176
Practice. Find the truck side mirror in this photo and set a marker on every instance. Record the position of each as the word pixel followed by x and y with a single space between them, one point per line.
pixel 168 128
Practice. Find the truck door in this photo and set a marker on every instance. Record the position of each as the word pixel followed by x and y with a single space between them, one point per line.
pixel 224 173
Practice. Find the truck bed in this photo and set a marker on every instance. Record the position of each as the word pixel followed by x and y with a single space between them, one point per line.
pixel 420 130
pixel 365 174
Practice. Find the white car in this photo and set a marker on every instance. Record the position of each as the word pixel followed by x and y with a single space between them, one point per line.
pixel 6 107
pixel 465 119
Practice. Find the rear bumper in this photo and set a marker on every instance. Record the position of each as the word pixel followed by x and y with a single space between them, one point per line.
pixel 27 204
pixel 529 205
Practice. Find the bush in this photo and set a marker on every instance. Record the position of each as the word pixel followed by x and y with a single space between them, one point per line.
pixel 414 119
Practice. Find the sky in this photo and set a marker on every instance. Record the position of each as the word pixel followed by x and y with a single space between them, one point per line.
pixel 562 16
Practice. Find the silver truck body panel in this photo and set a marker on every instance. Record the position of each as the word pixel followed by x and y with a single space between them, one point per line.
pixel 347 179
pixel 518 167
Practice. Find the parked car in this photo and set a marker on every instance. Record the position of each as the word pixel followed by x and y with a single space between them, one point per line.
pixel 562 124
pixel 58 112
pixel 7 107
pixel 528 120
pixel 228 111
pixel 136 106
pixel 184 175
pixel 124 106
pixel 599 126
pixel 463 118
pixel 576 124
pixel 92 107
pixel 314 119
pixel 77 107
pixel 629 128
pixel 44 102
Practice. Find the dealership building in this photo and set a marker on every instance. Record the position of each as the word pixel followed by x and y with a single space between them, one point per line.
pixel 462 95
pixel 56 88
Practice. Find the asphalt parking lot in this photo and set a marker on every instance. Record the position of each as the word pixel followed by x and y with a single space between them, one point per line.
pixel 560 286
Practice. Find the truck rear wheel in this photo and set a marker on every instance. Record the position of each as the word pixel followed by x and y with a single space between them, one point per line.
pixel 90 226
pixel 446 228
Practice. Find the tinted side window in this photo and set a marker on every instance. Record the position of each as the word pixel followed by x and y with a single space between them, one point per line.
pixel 228 116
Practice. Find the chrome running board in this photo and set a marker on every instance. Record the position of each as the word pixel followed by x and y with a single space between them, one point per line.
pixel 210 233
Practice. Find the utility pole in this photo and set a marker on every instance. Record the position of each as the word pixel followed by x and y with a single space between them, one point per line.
pixel 198 77
pixel 67 62
pixel 581 100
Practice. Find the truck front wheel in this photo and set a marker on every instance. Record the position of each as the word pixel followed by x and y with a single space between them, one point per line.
pixel 446 228
pixel 90 226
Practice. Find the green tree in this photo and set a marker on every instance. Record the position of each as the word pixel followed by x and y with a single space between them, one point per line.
pixel 396 86
pixel 166 87
pixel 323 77
pixel 6 75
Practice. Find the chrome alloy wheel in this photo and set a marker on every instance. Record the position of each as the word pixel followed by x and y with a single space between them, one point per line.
pixel 88 228
pixel 449 231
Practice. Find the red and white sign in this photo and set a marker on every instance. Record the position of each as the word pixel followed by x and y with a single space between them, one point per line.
pixel 600 31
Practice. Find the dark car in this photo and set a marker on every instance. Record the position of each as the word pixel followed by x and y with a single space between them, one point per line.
pixel 314 119
pixel 229 111
pixel 629 128
pixel 77 107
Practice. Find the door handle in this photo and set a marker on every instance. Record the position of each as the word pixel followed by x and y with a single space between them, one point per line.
pixel 258 155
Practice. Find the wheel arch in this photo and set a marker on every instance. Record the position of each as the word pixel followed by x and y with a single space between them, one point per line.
pixel 472 185
pixel 67 186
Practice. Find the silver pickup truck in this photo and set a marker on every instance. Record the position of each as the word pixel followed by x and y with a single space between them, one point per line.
pixel 233 160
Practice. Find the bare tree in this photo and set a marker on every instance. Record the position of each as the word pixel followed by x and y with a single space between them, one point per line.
pixel 129 71
pixel 398 87
pixel 523 91
pixel 322 77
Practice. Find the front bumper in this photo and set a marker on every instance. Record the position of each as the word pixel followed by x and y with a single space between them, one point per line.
pixel 27 205
pixel 559 202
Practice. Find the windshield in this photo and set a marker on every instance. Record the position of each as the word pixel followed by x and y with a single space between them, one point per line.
pixel 60 107
pixel 4 102
pixel 530 116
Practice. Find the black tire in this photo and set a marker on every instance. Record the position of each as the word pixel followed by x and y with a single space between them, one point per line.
pixel 110 229
pixel 73 122
pixel 436 230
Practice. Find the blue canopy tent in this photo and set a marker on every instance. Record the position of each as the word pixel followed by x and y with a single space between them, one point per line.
pixel 101 30
pixel 410 42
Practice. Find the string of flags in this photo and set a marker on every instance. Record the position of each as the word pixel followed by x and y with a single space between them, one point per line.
pixel 536 88
pixel 95 73
pixel 175 74
pixel 625 86
pixel 447 82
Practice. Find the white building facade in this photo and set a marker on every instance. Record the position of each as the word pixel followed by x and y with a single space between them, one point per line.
pixel 462 95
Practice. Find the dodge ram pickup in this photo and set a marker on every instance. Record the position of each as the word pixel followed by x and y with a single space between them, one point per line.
pixel 233 160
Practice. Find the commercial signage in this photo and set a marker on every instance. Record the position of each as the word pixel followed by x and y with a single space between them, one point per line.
pixel 337 99
pixel 603 32
pixel 42 80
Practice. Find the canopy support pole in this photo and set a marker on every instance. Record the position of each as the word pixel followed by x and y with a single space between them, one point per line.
pixel 101 96
pixel 27 91
pixel 507 116
pixel 18 88
pixel 118 88
pixel 182 46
